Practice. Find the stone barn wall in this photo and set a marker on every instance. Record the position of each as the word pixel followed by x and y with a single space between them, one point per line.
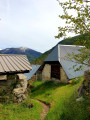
pixel 46 72
pixel 34 78
pixel 63 76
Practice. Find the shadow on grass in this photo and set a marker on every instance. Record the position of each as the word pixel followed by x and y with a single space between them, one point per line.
pixel 45 88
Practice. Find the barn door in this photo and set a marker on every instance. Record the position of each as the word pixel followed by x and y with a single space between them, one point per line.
pixel 55 71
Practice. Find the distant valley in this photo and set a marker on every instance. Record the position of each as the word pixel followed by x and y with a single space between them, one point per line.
pixel 31 54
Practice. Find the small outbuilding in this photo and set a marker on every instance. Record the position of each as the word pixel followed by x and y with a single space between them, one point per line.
pixel 33 74
pixel 56 67
pixel 13 83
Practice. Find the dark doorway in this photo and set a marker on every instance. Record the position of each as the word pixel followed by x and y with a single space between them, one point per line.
pixel 55 71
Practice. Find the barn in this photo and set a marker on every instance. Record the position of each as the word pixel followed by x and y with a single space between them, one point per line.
pixel 58 68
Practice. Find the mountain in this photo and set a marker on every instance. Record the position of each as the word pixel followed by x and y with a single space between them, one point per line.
pixel 68 41
pixel 31 54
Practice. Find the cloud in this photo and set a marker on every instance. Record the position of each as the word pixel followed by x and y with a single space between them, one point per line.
pixel 29 23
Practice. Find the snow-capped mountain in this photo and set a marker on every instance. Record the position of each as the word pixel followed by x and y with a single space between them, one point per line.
pixel 31 54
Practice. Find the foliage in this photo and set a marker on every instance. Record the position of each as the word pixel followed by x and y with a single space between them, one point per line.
pixel 77 21
pixel 81 58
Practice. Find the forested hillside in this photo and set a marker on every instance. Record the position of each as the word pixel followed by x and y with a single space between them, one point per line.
pixel 69 41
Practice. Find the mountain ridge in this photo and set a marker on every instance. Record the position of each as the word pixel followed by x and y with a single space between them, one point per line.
pixel 76 40
pixel 31 54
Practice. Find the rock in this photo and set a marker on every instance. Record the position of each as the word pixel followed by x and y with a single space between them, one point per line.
pixel 18 91
pixel 24 96
pixel 84 89
pixel 80 99
pixel 19 96
pixel 18 86
pixel 21 77
pixel 24 84
pixel 20 100
pixel 3 77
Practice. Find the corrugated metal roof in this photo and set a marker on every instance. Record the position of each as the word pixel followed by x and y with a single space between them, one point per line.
pixel 67 65
pixel 13 63
pixel 32 72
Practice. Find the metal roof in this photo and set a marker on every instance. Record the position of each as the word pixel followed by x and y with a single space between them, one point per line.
pixel 60 51
pixel 32 72
pixel 53 56
pixel 13 63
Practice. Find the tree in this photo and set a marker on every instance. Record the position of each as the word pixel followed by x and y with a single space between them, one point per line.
pixel 79 23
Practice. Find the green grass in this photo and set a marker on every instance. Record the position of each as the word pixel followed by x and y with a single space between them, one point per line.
pixel 45 91
pixel 20 111
pixel 62 99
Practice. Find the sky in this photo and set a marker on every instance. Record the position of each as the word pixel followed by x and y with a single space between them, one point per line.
pixel 29 23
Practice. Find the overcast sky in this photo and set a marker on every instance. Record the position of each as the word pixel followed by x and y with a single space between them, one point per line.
pixel 29 23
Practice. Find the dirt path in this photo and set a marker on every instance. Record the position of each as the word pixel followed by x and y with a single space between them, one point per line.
pixel 45 109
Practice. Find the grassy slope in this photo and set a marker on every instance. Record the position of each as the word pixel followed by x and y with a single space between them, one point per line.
pixel 69 41
pixel 63 101
pixel 62 98
pixel 20 111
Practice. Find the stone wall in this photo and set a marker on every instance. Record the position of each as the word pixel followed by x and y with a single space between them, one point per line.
pixel 13 87
pixel 63 76
pixel 20 92
pixel 7 83
pixel 34 78
pixel 46 72
pixel 39 75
